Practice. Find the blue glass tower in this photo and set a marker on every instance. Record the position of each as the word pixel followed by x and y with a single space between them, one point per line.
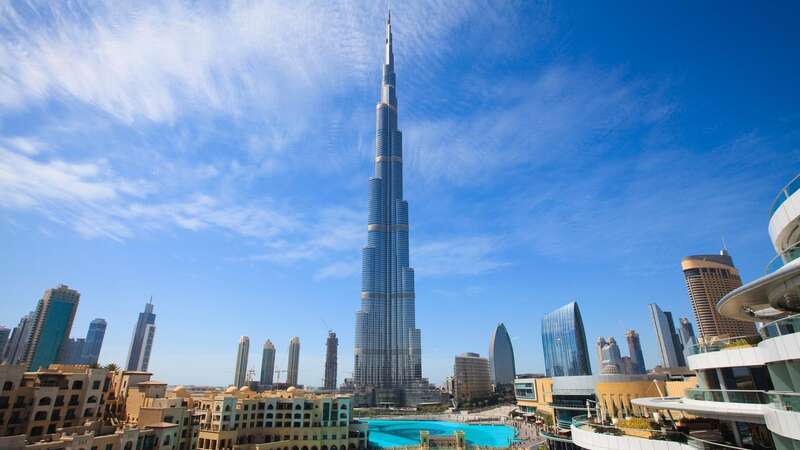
pixel 142 342
pixel 387 346
pixel 564 343
pixel 501 356
pixel 94 341
pixel 52 324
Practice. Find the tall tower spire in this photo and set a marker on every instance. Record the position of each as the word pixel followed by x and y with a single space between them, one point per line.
pixel 388 348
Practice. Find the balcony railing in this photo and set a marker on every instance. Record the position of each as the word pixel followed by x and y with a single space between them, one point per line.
pixel 781 259
pixel 728 396
pixel 584 423
pixel 724 344
pixel 787 401
pixel 787 191
pixel 781 327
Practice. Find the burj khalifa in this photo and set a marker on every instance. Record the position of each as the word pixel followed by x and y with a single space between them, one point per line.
pixel 387 346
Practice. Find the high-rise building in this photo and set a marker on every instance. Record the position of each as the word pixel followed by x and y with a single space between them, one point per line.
pixel 73 351
pixel 331 356
pixel 241 361
pixel 635 352
pixel 94 341
pixel 601 344
pixel 388 343
pixel 293 368
pixel 708 279
pixel 51 327
pixel 669 344
pixel 18 343
pixel 564 342
pixel 686 333
pixel 5 333
pixel 267 364
pixel 613 357
pixel 501 357
pixel 472 379
pixel 142 341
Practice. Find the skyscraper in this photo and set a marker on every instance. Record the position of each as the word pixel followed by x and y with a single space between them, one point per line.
pixel 501 357
pixel 564 342
pixel 388 343
pixel 5 334
pixel 241 361
pixel 635 351
pixel 52 324
pixel 686 333
pixel 18 343
pixel 294 362
pixel 142 341
pixel 601 345
pixel 708 279
pixel 669 344
pixel 331 356
pixel 94 342
pixel 267 364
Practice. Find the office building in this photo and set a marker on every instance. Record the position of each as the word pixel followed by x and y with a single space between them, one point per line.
pixel 612 358
pixel 708 279
pixel 240 374
pixel 5 334
pixel 635 352
pixel 564 342
pixel 18 342
pixel 331 356
pixel 267 364
pixel 73 351
pixel 501 357
pixel 601 344
pixel 686 334
pixel 387 358
pixel 51 327
pixel 142 341
pixel 94 341
pixel 472 379
pixel 669 344
pixel 293 366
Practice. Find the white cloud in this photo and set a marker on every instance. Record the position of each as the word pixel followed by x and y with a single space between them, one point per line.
pixel 457 256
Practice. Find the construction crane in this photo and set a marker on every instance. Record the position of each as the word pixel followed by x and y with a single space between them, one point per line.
pixel 279 372
pixel 249 377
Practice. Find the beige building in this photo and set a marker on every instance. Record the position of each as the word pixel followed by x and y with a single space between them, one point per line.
pixel 287 420
pixel 708 279
pixel 472 378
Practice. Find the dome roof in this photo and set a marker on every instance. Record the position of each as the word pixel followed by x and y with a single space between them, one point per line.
pixel 291 389
pixel 231 389
pixel 245 389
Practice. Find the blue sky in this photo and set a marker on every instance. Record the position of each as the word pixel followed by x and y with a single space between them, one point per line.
pixel 216 156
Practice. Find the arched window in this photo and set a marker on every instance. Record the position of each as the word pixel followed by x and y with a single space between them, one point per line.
pixel 333 447
pixel 298 407
pixel 129 445
pixel 305 448
pixel 217 408
pixel 270 406
pixel 92 399
pixel 166 440
pixel 343 406
pixel 44 401
pixel 8 385
pixel 227 408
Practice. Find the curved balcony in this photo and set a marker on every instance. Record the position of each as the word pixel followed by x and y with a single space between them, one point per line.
pixel 737 405
pixel 638 433
pixel 768 298
pixel 783 415
pixel 787 191
pixel 781 327
pixel 724 344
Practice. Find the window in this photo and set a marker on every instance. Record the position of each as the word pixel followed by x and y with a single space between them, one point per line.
pixel 96 384
pixel 77 384
pixel 36 431
pixel 40 415
pixel 8 385
pixel 44 401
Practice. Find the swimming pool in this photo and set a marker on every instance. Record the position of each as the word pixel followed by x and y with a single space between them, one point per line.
pixel 397 433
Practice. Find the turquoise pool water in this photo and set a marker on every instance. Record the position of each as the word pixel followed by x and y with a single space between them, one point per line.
pixel 396 433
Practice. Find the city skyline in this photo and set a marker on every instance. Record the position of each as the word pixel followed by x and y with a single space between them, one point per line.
pixel 217 204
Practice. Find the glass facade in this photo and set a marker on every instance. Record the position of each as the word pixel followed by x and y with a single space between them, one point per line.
pixel 52 325
pixel 669 344
pixel 501 355
pixel 387 340
pixel 142 342
pixel 564 343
